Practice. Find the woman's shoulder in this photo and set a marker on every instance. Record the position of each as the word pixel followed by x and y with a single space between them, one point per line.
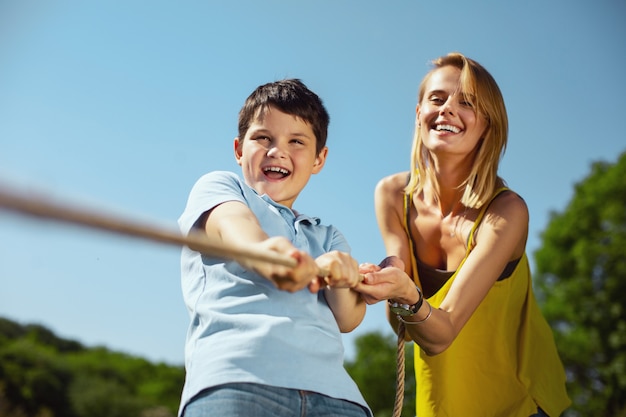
pixel 508 202
pixel 393 183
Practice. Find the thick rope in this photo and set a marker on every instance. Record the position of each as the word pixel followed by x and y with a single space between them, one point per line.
pixel 37 206
pixel 42 208
pixel 400 367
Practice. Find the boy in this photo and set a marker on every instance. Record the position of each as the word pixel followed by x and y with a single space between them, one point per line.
pixel 264 339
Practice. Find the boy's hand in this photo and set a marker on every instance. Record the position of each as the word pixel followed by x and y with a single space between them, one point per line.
pixel 342 269
pixel 284 277
pixel 365 268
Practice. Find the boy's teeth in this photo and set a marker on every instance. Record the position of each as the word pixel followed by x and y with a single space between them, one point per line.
pixel 276 169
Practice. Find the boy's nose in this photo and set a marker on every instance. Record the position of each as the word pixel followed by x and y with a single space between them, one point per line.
pixel 276 152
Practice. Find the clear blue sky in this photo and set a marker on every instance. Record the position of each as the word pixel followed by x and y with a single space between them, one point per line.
pixel 122 105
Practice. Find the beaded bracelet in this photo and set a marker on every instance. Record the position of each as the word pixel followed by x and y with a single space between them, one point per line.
pixel 430 311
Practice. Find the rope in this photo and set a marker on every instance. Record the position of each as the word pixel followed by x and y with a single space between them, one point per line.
pixel 400 367
pixel 39 207
pixel 44 209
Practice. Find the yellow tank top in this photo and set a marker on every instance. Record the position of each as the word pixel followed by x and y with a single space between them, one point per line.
pixel 503 363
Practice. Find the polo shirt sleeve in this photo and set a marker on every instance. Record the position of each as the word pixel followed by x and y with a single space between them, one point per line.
pixel 338 241
pixel 209 191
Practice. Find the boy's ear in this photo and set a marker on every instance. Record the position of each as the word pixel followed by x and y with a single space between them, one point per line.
pixel 320 160
pixel 238 150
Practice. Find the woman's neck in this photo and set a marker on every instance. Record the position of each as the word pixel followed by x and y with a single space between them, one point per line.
pixel 451 175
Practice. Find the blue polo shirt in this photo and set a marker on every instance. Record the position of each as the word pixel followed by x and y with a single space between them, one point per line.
pixel 242 328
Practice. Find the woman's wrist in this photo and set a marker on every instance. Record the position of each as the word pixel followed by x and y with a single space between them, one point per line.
pixel 416 318
pixel 406 309
pixel 413 296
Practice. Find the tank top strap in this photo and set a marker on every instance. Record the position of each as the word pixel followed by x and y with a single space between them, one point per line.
pixel 406 220
pixel 470 238
pixel 481 214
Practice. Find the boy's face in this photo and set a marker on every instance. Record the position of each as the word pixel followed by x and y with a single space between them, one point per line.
pixel 277 156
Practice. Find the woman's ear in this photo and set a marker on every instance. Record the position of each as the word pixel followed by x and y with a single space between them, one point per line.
pixel 417 115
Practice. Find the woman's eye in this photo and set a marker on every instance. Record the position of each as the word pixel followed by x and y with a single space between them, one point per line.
pixel 436 100
pixel 468 100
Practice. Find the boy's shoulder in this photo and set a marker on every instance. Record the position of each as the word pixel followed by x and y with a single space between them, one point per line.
pixel 218 182
pixel 214 175
pixel 217 178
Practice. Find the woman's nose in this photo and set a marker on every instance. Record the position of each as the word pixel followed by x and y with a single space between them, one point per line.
pixel 448 107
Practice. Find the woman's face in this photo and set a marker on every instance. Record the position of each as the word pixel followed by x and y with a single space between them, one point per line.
pixel 448 123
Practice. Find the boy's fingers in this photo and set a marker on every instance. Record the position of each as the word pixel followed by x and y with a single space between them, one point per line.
pixel 315 285
pixel 350 284
pixel 369 278
pixel 323 273
pixel 368 266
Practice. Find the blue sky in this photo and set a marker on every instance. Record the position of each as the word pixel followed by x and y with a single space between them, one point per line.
pixel 122 105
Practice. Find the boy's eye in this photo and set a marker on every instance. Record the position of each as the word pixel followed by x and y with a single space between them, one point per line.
pixel 297 141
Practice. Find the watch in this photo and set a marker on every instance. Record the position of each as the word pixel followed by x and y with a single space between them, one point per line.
pixel 405 310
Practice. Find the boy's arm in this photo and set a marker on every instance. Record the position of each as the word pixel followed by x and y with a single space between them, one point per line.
pixel 347 306
pixel 233 223
pixel 343 274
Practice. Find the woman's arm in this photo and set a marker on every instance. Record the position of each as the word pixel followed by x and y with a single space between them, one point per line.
pixel 394 281
pixel 500 239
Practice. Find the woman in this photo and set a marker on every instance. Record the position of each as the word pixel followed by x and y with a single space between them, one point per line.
pixel 456 271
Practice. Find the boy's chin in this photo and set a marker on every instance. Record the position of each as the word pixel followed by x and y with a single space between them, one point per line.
pixel 281 199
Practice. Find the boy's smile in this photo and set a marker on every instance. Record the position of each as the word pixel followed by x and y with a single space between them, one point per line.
pixel 278 155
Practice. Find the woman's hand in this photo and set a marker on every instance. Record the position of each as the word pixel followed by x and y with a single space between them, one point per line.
pixel 386 281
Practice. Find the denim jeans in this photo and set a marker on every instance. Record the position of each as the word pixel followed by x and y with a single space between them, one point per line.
pixel 254 400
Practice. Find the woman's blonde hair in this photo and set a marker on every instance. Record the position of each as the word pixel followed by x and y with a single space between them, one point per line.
pixel 479 88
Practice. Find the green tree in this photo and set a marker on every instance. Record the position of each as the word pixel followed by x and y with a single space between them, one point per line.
pixel 33 379
pixel 94 396
pixel 42 375
pixel 374 371
pixel 581 284
pixel 113 384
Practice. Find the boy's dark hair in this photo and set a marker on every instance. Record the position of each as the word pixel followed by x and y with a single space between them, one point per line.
pixel 290 96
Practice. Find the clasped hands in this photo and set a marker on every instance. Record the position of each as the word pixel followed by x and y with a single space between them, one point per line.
pixel 335 269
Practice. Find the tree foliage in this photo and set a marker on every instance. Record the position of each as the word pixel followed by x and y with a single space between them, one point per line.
pixel 374 371
pixel 42 375
pixel 581 283
pixel 580 280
